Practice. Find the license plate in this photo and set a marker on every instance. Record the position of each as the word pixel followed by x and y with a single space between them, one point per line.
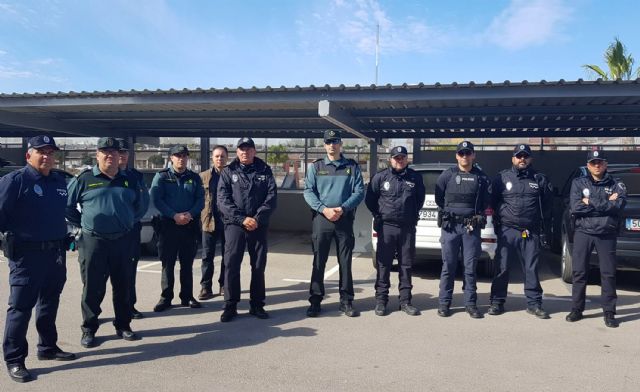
pixel 632 224
pixel 431 215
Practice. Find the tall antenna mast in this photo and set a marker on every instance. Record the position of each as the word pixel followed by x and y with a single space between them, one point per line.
pixel 377 50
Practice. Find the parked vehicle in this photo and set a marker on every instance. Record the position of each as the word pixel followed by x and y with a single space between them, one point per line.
pixel 148 238
pixel 427 231
pixel 628 245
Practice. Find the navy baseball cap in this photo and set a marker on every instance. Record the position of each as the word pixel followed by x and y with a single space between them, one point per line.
pixel 465 145
pixel 42 141
pixel 596 154
pixel 332 135
pixel 179 149
pixel 245 141
pixel 522 148
pixel 123 144
pixel 399 150
pixel 108 142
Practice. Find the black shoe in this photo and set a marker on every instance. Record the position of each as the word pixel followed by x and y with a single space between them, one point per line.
pixel 473 311
pixel 410 309
pixel 162 305
pixel 136 314
pixel 205 294
pixel 259 312
pixel 127 334
pixel 56 354
pixel 348 310
pixel 380 309
pixel 444 311
pixel 610 320
pixel 574 316
pixel 88 339
pixel 19 373
pixel 314 310
pixel 538 312
pixel 228 314
pixel 192 303
pixel 496 309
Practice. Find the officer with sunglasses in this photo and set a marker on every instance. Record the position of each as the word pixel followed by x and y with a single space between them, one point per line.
pixel 462 195
pixel 522 199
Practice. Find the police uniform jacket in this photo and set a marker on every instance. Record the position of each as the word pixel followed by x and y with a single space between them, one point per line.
pixel 520 197
pixel 334 184
pixel 144 192
pixel 463 194
pixel 247 191
pixel 210 216
pixel 600 216
pixel 173 193
pixel 109 206
pixel 32 205
pixel 396 197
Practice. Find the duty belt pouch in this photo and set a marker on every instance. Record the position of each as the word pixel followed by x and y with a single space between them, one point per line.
pixel 9 245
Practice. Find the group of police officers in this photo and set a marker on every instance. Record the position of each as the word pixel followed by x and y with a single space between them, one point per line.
pixel 231 204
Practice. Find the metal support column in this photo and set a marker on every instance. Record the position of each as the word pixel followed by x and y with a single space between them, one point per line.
pixel 417 150
pixel 205 153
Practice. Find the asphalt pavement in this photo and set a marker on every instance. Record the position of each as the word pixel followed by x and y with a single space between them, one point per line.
pixel 190 350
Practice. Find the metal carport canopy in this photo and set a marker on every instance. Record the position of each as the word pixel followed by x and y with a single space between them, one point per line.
pixel 524 109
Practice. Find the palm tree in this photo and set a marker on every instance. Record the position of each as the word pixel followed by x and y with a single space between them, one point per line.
pixel 619 62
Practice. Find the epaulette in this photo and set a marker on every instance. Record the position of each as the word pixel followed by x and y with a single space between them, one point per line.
pixel 84 171
pixel 318 160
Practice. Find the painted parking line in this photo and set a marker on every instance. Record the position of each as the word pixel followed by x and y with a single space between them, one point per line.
pixel 327 274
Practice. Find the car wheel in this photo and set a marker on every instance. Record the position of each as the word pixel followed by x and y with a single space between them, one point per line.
pixel 151 247
pixel 488 267
pixel 373 259
pixel 566 265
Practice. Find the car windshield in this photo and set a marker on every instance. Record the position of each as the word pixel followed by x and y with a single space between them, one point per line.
pixel 430 178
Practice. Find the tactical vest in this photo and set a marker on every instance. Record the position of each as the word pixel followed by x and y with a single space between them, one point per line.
pixel 462 190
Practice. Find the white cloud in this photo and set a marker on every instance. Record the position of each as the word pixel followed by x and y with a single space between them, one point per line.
pixel 526 23
pixel 12 73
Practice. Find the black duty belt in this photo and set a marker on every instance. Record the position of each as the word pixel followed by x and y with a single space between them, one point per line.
pixel 460 218
pixel 106 236
pixel 39 245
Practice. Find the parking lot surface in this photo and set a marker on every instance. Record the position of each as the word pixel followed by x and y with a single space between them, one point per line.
pixel 190 350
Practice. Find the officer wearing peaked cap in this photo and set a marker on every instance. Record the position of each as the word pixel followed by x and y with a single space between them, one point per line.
pixel 178 194
pixel 110 203
pixel 462 195
pixel 32 204
pixel 333 189
pixel 522 200
pixel 596 201
pixel 394 197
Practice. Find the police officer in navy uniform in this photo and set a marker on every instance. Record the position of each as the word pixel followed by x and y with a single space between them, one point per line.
pixel 178 194
pixel 394 197
pixel 32 204
pixel 110 202
pixel 522 199
pixel 333 189
pixel 131 172
pixel 462 195
pixel 596 202
pixel 247 197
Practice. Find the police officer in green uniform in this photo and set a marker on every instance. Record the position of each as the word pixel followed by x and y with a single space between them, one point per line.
pixel 32 203
pixel 131 172
pixel 178 194
pixel 110 203
pixel 333 189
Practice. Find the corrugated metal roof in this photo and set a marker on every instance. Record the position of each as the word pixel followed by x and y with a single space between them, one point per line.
pixel 507 109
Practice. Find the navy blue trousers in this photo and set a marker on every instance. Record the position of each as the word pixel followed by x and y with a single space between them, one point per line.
pixel 237 239
pixel 512 248
pixel 394 240
pixel 605 245
pixel 135 257
pixel 209 241
pixel 323 232
pixel 36 278
pixel 177 242
pixel 453 241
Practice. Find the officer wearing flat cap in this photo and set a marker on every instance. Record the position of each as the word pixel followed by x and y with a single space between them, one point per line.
pixel 246 199
pixel 395 196
pixel 132 173
pixel 462 195
pixel 522 200
pixel 32 204
pixel 596 202
pixel 333 188
pixel 110 203
pixel 178 194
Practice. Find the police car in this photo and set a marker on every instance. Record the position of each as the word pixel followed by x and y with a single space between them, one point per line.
pixel 628 243
pixel 427 231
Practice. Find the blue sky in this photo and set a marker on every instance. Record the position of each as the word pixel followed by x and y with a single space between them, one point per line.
pixel 86 45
